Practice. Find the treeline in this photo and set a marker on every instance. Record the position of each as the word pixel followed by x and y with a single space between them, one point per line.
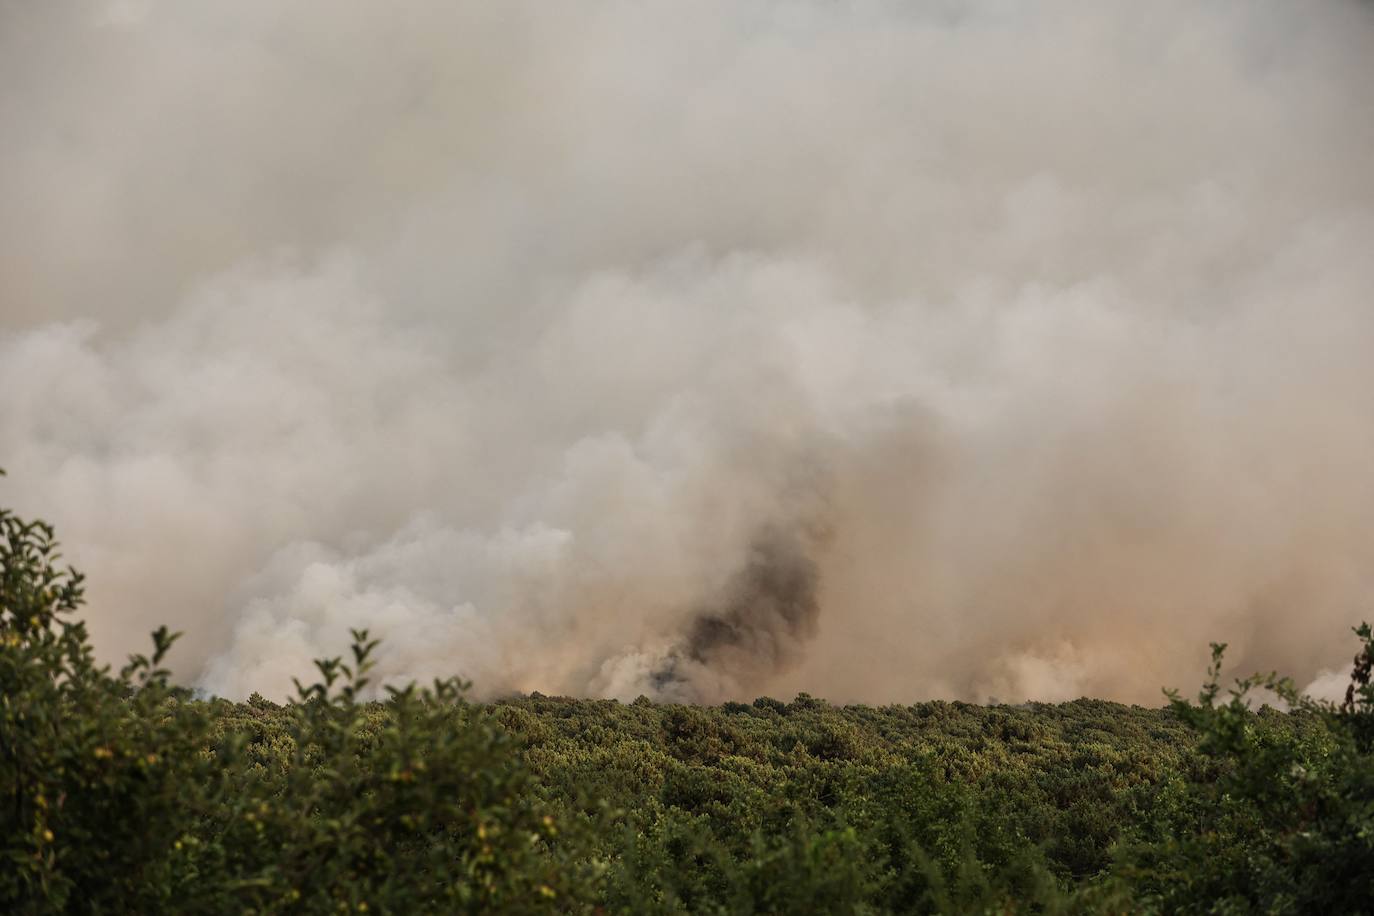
pixel 121 793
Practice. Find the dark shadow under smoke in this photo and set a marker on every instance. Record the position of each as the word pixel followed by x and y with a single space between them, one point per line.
pixel 765 614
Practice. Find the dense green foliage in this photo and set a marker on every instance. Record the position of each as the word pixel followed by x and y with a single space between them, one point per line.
pixel 122 793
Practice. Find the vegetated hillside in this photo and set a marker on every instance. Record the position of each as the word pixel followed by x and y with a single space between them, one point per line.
pixel 1067 777
pixel 792 805
pixel 120 792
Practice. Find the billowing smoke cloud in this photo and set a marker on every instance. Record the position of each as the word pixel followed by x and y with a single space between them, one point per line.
pixel 879 350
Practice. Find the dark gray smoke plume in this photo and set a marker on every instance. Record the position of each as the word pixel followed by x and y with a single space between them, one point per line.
pixel 880 349
pixel 759 628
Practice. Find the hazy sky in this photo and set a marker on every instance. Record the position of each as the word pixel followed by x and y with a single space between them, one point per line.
pixel 882 350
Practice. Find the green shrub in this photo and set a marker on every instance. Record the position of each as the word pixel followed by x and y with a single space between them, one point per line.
pixel 122 793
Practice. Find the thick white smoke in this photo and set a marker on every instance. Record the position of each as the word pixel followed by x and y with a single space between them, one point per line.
pixel 879 350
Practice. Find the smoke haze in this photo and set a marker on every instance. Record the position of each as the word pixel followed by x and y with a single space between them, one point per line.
pixel 885 351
